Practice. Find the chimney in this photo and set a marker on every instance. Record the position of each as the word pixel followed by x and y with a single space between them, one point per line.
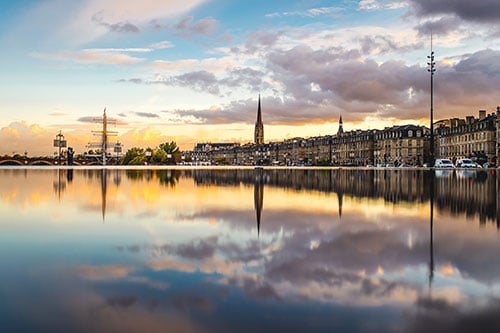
pixel 482 114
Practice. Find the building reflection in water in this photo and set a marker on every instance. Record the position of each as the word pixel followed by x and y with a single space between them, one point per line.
pixel 469 192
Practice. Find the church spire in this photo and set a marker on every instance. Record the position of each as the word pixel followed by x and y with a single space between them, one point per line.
pixel 259 127
pixel 341 126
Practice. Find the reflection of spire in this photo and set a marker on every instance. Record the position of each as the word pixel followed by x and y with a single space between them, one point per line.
pixel 340 197
pixel 258 196
pixel 431 236
pixel 104 147
pixel 103 193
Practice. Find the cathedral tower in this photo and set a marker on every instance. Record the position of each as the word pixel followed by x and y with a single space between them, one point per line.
pixel 259 127
pixel 341 128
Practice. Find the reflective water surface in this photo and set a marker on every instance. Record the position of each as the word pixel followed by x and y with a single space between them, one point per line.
pixel 249 250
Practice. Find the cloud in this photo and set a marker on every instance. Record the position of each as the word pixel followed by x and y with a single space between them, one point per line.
pixel 201 81
pixel 153 47
pixel 312 12
pixel 370 5
pixel 188 27
pixel 441 26
pixel 127 16
pixel 147 114
pixel 262 40
pixel 481 11
pixel 120 27
pixel 91 56
pixel 207 82
pixel 162 45
pixel 22 137
pixel 166 65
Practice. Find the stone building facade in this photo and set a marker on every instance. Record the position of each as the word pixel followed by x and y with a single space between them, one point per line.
pixel 477 138
pixel 471 137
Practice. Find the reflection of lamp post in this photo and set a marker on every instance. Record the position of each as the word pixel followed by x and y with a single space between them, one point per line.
pixel 59 142
pixel 431 70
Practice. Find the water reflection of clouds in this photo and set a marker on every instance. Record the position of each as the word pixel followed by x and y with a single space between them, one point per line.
pixel 184 269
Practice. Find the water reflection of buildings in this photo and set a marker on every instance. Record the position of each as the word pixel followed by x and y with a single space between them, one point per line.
pixel 458 192
pixel 473 193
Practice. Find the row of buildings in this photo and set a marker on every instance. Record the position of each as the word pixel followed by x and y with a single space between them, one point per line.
pixel 476 138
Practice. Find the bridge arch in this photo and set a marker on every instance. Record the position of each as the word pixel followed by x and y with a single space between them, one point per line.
pixel 40 162
pixel 11 162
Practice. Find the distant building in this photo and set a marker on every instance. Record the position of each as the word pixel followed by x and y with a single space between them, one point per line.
pixel 407 144
pixel 259 127
pixel 478 138
pixel 471 137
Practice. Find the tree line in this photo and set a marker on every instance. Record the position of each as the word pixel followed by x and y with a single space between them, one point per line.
pixel 166 153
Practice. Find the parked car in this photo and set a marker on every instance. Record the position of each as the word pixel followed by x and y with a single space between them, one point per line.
pixel 443 163
pixel 465 163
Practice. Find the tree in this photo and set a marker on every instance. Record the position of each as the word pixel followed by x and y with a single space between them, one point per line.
pixel 169 147
pixel 134 156
pixel 159 156
pixel 173 152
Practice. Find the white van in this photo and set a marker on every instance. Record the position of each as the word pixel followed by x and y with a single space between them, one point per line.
pixel 443 163
pixel 465 163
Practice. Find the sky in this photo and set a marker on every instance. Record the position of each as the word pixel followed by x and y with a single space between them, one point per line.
pixel 191 71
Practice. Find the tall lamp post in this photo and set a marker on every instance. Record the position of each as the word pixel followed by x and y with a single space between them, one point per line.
pixel 431 70
pixel 60 143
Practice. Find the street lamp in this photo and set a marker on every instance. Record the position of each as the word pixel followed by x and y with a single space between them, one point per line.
pixel 431 70
pixel 59 142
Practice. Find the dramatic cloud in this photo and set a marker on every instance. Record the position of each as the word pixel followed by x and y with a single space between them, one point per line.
pixel 441 26
pixel 207 82
pixel 482 11
pixel 22 137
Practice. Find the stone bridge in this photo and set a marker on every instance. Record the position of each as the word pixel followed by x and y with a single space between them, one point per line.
pixel 41 161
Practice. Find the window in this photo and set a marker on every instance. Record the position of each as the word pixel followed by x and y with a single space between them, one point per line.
pixel 410 133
